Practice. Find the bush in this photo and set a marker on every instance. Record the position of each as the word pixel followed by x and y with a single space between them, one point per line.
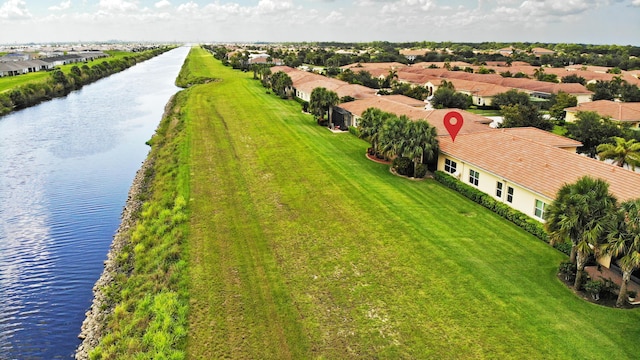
pixel 403 166
pixel 522 220
pixel 594 287
pixel 421 171
pixel 567 270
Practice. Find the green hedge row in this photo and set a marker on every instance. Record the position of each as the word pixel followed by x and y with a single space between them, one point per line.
pixel 525 222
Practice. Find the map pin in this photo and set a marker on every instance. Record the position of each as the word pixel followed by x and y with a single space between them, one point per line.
pixel 453 122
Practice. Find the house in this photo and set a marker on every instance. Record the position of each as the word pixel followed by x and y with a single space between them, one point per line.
pixel 524 173
pixel 13 68
pixel 412 54
pixel 473 122
pixel 628 113
pixel 538 52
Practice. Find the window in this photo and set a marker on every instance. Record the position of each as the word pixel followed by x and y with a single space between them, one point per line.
pixel 474 177
pixel 450 166
pixel 499 190
pixel 540 206
pixel 509 194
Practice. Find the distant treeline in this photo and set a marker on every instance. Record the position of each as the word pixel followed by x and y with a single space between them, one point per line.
pixel 624 57
pixel 60 84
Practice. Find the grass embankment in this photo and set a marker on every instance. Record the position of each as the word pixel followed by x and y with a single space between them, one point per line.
pixel 148 297
pixel 299 247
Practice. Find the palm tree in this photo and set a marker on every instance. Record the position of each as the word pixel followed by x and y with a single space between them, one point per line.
pixel 322 101
pixel 331 99
pixel 370 125
pixel 582 212
pixel 625 243
pixel 392 135
pixel 421 143
pixel 623 152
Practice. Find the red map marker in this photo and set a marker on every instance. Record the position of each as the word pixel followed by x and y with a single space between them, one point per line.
pixel 453 122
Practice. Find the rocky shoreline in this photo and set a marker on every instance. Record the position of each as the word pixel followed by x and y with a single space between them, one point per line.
pixel 95 320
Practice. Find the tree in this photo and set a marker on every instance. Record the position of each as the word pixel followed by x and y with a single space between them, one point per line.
pixel 583 212
pixel 321 102
pixel 370 125
pixel 281 83
pixel 625 243
pixel 421 143
pixel 446 97
pixel 629 92
pixel 561 101
pixel 523 116
pixel 393 135
pixel 511 97
pixel 591 130
pixel 573 78
pixel 623 152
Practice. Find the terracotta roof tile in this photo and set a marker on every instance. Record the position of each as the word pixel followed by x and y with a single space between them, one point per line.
pixel 619 111
pixel 538 167
pixel 543 137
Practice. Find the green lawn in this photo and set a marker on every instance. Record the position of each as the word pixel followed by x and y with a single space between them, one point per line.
pixel 485 112
pixel 299 247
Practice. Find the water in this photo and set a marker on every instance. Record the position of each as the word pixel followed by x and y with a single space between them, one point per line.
pixel 65 170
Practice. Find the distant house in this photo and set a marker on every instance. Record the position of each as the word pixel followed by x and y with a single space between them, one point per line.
pixel 14 68
pixel 623 112
pixel 412 54
pixel 538 52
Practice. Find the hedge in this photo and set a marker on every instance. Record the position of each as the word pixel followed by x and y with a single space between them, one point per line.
pixel 519 218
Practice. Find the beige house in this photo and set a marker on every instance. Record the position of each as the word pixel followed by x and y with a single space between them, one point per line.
pixel 525 174
pixel 628 113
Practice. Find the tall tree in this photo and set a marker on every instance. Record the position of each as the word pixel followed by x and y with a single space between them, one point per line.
pixel 592 130
pixel 511 97
pixel 561 101
pixel 583 212
pixel 370 125
pixel 524 115
pixel 447 97
pixel 421 143
pixel 393 135
pixel 322 101
pixel 625 244
pixel 623 152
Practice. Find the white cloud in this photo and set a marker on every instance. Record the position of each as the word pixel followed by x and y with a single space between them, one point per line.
pixel 63 6
pixel 117 6
pixel 162 4
pixel 635 3
pixel 14 10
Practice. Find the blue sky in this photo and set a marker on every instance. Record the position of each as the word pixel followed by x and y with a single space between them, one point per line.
pixel 558 21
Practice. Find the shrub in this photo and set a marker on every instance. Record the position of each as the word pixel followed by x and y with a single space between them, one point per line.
pixel 421 171
pixel 403 166
pixel 567 270
pixel 594 287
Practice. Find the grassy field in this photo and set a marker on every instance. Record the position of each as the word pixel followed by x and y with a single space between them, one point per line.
pixel 301 248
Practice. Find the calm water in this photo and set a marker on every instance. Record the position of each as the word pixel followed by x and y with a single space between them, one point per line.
pixel 65 170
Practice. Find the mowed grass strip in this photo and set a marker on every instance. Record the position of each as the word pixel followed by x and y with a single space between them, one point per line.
pixel 299 248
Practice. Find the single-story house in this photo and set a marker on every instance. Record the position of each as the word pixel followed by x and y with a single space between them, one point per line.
pixel 623 112
pixel 524 173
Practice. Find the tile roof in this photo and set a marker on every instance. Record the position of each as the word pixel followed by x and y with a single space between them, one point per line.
pixel 543 137
pixel 620 111
pixel 472 122
pixel 535 166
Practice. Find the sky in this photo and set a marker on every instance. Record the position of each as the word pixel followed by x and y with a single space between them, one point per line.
pixel 553 21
